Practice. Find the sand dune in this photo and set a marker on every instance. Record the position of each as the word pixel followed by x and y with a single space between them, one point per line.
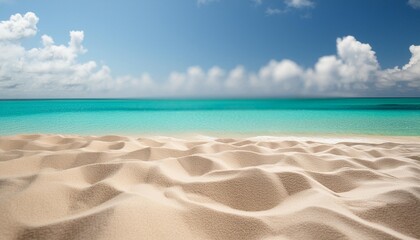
pixel 114 187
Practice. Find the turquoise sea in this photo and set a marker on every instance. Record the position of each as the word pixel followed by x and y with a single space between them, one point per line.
pixel 377 116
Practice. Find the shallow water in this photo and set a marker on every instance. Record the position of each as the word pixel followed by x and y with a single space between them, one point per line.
pixel 377 116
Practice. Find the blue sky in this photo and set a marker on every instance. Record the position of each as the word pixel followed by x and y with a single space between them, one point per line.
pixel 221 48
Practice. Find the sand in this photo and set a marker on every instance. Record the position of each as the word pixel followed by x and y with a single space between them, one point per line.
pixel 119 187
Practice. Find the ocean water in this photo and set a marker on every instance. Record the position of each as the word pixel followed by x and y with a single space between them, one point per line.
pixel 376 116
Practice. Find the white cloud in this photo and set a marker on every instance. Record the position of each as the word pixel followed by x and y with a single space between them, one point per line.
pixel 409 74
pixel 290 4
pixel 270 10
pixel 236 77
pixel 352 68
pixel 54 70
pixel 353 71
pixel 48 70
pixel 193 80
pixel 187 82
pixel 299 3
pixel 129 86
pixel 215 77
pixel 284 74
pixel 414 3
pixel 274 11
pixel 18 27
pixel 176 81
pixel 284 70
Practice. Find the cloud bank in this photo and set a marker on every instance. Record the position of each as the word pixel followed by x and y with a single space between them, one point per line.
pixel 54 70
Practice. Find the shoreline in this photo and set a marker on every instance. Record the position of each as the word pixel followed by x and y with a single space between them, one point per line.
pixel 323 137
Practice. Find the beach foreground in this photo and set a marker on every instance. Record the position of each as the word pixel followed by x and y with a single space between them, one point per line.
pixel 117 187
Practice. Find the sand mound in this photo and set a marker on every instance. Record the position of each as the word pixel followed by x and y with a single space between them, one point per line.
pixel 112 187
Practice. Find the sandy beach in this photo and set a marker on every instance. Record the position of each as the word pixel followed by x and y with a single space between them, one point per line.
pixel 120 187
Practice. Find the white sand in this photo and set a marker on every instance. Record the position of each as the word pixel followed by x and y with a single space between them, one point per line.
pixel 113 187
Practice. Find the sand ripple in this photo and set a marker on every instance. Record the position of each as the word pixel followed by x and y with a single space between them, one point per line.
pixel 114 187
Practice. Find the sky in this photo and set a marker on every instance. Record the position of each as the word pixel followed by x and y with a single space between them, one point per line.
pixel 209 48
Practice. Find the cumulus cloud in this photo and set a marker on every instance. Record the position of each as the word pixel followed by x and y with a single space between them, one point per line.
pixel 353 71
pixel 353 67
pixel 51 69
pixel 236 77
pixel 18 27
pixel 54 70
pixel 414 4
pixel 195 79
pixel 408 75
